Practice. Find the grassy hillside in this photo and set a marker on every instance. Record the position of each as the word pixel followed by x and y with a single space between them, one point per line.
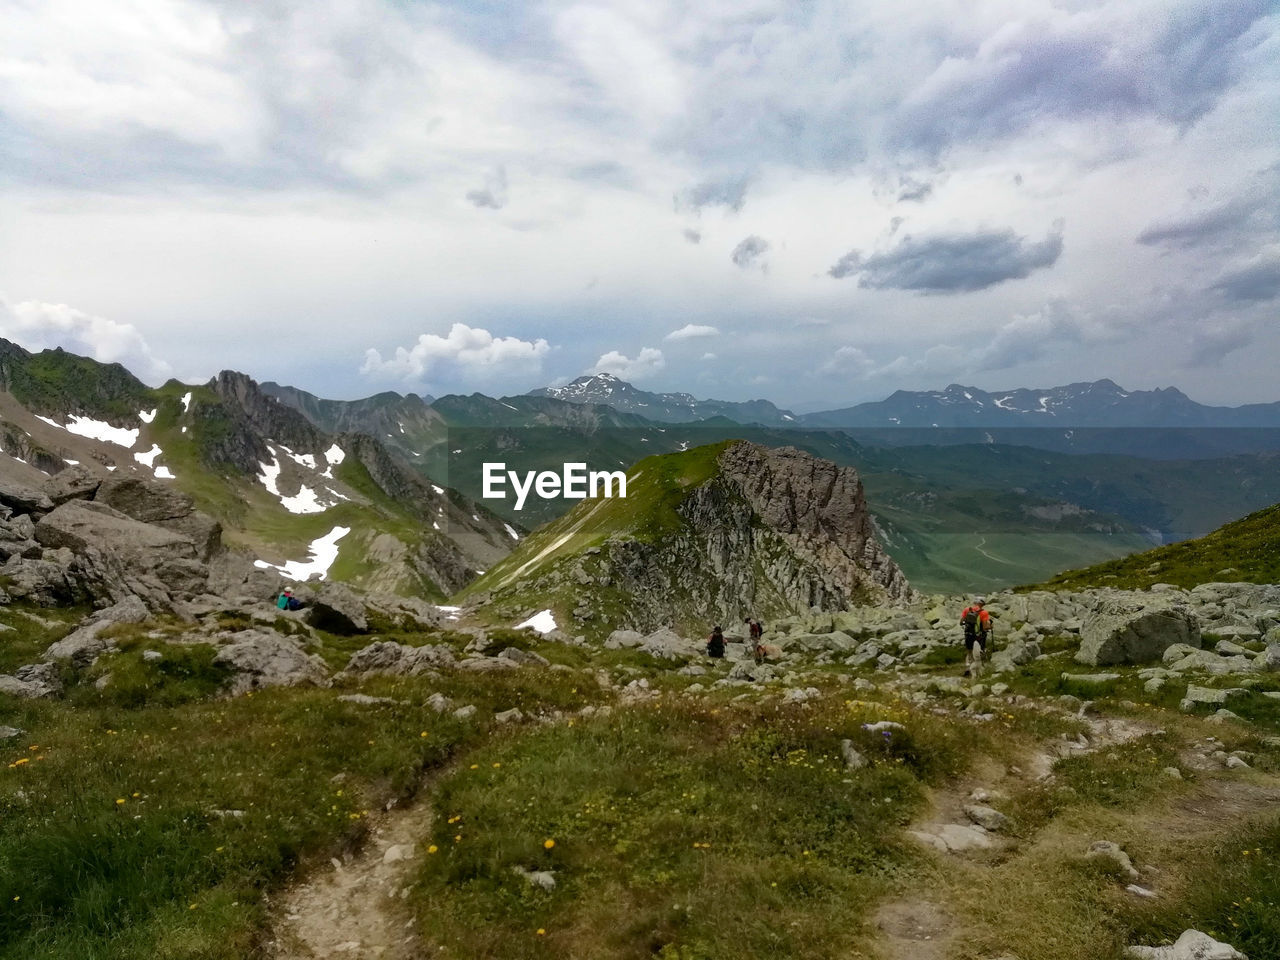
pixel 1246 551
pixel 655 487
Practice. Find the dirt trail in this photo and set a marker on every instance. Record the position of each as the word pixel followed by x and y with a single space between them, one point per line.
pixel 918 925
pixel 354 908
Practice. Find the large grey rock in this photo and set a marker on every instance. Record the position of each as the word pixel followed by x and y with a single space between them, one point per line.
pixel 263 658
pixel 1210 696
pixel 750 670
pixel 623 640
pixel 149 501
pixel 387 656
pixel 1115 635
pixel 668 645
pixel 116 556
pixel 524 657
pixel 1192 945
pixel 335 608
pixel 1269 659
pixel 42 582
pixel 33 682
pixel 73 483
pixel 23 499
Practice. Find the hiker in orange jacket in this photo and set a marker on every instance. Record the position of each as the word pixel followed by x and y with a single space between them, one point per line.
pixel 977 628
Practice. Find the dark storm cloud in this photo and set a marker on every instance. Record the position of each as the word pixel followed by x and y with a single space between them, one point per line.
pixel 748 253
pixel 1253 283
pixel 952 263
pixel 1082 67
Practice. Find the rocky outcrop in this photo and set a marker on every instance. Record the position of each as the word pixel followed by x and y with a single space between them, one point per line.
pixel 105 540
pixel 33 682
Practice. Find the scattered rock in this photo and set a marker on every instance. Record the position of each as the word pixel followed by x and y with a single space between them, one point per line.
pixel 1111 853
pixel 544 879
pixel 1142 892
pixel 1192 945
pixel 462 713
pixel 364 700
pixel 9 733
pixel 986 817
pixel 853 760
pixel 387 656
pixel 514 715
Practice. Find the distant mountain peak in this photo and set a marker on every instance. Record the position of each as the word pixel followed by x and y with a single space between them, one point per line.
pixel 613 391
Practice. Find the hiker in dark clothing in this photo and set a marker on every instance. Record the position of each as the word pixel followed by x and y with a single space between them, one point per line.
pixel 755 636
pixel 715 643
pixel 977 628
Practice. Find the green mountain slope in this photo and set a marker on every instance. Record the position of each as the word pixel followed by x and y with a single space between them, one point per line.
pixel 1244 551
pixel 274 481
pixel 707 535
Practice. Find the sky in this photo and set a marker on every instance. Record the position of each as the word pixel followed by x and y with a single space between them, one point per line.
pixel 817 203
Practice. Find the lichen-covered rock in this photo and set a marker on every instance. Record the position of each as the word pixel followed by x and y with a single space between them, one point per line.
pixel 1192 945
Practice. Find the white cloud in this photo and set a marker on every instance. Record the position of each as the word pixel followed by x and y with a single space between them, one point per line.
pixel 42 326
pixel 848 361
pixel 709 356
pixel 647 362
pixel 691 331
pixel 467 347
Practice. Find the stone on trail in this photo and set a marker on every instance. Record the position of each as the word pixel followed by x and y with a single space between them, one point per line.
pixel 1192 945
pixel 986 817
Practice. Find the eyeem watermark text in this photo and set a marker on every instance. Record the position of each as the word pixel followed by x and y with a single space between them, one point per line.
pixel 573 483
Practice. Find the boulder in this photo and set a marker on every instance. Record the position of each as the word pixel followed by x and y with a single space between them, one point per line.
pixel 623 640
pixel 261 658
pixel 1192 945
pixel 667 645
pixel 336 608
pixel 387 656
pixel 82 646
pixel 20 498
pixel 33 682
pixel 116 555
pixel 149 501
pixel 1269 659
pixel 73 483
pixel 1115 635
pixel 1211 697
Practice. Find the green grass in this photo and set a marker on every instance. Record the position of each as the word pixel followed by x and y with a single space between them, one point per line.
pixel 1246 550
pixel 680 831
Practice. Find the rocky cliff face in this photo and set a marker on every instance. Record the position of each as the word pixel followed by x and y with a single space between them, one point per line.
pixel 774 532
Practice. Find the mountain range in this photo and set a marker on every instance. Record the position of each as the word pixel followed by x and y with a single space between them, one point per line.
pixel 958 507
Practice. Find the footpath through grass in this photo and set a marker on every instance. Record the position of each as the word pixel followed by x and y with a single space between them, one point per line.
pixel 139 822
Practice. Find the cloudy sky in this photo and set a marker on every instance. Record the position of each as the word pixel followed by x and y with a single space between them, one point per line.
pixel 816 202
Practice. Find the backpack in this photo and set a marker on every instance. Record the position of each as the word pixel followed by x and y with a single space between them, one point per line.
pixel 971 619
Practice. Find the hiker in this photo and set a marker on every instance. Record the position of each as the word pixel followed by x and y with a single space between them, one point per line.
pixel 755 631
pixel 977 628
pixel 715 643
pixel 288 601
